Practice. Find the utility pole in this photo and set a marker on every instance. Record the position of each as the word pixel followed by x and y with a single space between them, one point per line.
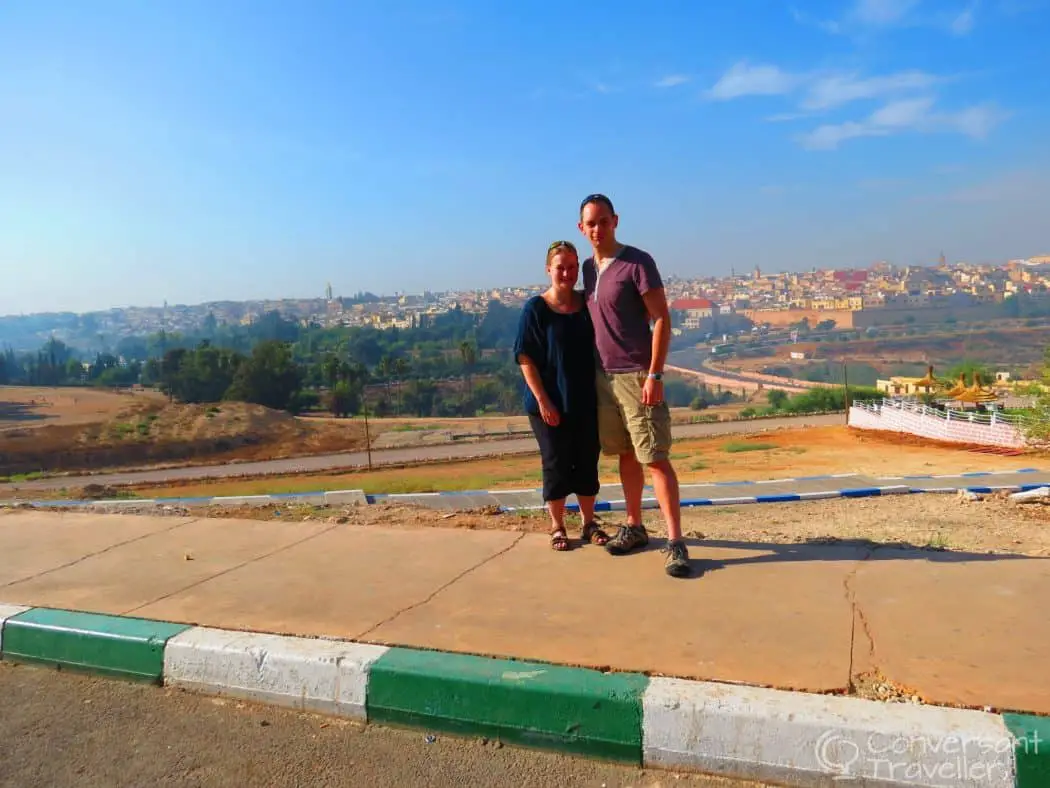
pixel 845 390
pixel 368 439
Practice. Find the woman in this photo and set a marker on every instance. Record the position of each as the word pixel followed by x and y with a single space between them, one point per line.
pixel 555 349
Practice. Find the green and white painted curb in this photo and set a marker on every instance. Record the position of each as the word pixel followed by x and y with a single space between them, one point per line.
pixel 786 737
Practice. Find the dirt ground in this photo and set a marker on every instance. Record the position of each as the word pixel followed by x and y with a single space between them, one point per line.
pixel 786 453
pixel 148 430
pixel 26 407
pixel 72 429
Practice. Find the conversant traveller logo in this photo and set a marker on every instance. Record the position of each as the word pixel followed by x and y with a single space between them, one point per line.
pixel 922 759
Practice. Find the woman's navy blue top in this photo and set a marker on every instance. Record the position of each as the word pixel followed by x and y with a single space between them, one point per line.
pixel 562 348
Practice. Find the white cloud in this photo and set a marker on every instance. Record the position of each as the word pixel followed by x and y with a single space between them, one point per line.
pixel 907 102
pixel 673 80
pixel 906 115
pixel 836 90
pixel 875 15
pixel 964 21
pixel 744 79
pixel 829 26
pixel 882 13
pixel 831 135
pixel 822 92
pixel 976 122
pixel 787 117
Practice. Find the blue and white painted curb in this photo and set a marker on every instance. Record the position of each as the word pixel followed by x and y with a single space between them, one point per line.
pixel 619 505
pixel 884 486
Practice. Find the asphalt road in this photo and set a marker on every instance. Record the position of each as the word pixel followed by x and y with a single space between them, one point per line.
pixel 60 729
pixel 331 462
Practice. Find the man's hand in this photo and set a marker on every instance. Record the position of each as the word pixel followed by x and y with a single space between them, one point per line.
pixel 549 413
pixel 656 306
pixel 652 392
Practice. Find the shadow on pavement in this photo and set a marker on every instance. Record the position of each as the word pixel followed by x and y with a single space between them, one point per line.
pixel 828 550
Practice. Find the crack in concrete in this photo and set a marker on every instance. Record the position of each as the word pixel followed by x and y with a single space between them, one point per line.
pixel 103 551
pixel 857 613
pixel 443 587
pixel 226 571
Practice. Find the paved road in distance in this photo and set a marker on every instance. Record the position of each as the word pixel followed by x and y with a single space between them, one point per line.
pixel 61 729
pixel 350 460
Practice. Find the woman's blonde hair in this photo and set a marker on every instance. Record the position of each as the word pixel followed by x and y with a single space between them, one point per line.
pixel 557 246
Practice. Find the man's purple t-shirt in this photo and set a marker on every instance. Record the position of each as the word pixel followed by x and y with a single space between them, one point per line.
pixel 621 322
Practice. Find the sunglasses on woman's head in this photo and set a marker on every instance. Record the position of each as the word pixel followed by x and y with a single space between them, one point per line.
pixel 561 245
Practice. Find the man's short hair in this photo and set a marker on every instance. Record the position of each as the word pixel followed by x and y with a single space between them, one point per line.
pixel 601 199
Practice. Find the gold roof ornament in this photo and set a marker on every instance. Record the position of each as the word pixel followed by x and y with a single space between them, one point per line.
pixel 958 388
pixel 976 393
pixel 928 382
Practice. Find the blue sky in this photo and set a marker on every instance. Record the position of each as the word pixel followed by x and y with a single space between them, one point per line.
pixel 194 150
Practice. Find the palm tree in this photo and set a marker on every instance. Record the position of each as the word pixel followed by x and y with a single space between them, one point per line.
pixel 469 353
pixel 331 368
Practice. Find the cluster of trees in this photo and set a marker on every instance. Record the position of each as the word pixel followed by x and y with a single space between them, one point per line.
pixel 267 376
pixel 817 400
pixel 56 364
pixel 455 364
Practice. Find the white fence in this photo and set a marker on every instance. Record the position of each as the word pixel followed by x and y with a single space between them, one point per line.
pixel 914 418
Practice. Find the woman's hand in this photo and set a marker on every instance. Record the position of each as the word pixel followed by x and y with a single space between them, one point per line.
pixel 549 413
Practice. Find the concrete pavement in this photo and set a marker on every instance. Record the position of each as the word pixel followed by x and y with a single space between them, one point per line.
pixel 350 460
pixel 954 628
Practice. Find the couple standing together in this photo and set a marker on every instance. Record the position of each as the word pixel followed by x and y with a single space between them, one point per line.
pixel 593 364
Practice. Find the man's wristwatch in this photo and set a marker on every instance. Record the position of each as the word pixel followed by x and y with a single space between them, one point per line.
pixel 656 376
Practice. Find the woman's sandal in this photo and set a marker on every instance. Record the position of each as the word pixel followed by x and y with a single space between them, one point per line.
pixel 595 535
pixel 560 540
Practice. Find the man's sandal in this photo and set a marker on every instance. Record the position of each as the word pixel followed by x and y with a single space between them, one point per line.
pixel 595 535
pixel 560 540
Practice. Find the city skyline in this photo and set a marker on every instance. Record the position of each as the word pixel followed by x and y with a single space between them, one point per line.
pixel 195 154
pixel 329 292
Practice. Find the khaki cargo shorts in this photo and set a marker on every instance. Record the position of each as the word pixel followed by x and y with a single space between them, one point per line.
pixel 624 423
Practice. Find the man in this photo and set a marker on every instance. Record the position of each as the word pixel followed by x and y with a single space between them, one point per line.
pixel 625 295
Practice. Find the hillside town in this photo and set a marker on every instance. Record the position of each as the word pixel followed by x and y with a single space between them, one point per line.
pixel 882 294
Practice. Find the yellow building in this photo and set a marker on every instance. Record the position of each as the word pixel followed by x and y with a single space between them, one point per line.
pixel 901 387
